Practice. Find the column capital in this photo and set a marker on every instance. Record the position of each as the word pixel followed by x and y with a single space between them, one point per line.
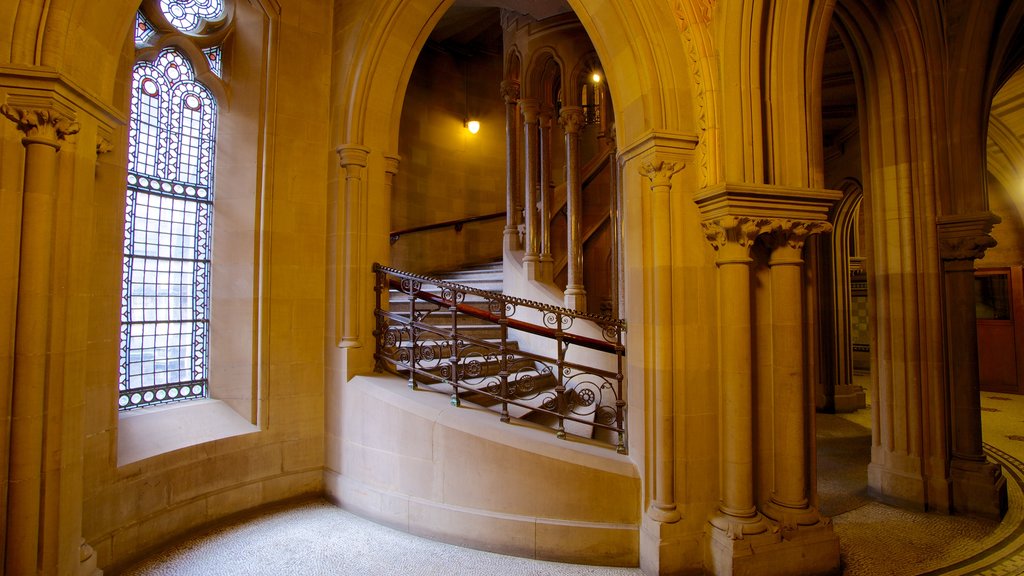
pixel 391 162
pixel 791 234
pixel 509 91
pixel 738 230
pixel 352 155
pixel 41 125
pixel 966 236
pixel 531 109
pixel 571 118
pixel 660 172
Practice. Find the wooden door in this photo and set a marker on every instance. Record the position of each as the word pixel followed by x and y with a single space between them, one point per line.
pixel 999 306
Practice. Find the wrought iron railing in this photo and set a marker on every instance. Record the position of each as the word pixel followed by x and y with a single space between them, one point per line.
pixel 460 340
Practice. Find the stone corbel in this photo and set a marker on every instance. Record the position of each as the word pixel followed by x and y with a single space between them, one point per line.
pixel 965 238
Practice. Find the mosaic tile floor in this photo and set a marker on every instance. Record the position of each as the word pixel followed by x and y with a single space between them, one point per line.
pixel 317 538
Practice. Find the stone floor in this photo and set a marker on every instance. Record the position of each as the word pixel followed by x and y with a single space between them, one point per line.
pixel 317 538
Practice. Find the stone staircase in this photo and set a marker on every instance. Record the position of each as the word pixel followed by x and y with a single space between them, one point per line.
pixel 530 383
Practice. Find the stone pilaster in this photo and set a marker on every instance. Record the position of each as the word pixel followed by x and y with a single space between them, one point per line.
pixel 732 238
pixel 742 538
pixel 790 501
pixel 350 247
pixel 531 175
pixel 571 119
pixel 659 174
pixel 978 485
pixel 513 206
pixel 31 530
pixel 546 272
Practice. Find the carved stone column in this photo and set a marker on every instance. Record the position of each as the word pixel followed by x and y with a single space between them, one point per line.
pixel 978 485
pixel 663 505
pixel 531 175
pixel 732 237
pixel 44 129
pixel 546 271
pixel 790 503
pixel 350 255
pixel 513 208
pixel 742 540
pixel 571 119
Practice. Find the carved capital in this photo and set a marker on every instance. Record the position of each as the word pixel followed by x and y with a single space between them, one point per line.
pixel 785 233
pixel 41 124
pixel 741 230
pixel 966 237
pixel 965 247
pixel 103 146
pixel 509 91
pixel 351 155
pixel 571 118
pixel 660 172
pixel 531 109
pixel 391 162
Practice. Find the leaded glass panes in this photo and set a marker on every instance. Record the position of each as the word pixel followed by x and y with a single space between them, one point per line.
pixel 168 227
pixel 144 31
pixel 186 15
pixel 213 56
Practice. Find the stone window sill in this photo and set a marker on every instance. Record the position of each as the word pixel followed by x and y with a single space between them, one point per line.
pixel 148 432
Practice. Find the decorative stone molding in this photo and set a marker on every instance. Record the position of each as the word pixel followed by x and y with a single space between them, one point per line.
pixel 703 9
pixel 966 237
pixel 41 125
pixel 766 201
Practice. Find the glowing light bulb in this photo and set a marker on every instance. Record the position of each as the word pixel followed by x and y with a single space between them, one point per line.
pixel 596 78
pixel 473 126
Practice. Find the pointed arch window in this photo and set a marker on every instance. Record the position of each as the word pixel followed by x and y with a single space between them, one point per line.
pixel 165 309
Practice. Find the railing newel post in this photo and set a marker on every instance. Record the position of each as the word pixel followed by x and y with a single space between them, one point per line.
pixel 414 352
pixel 503 373
pixel 560 389
pixel 378 313
pixel 453 345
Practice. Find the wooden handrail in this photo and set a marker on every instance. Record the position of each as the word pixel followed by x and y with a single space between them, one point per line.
pixel 457 224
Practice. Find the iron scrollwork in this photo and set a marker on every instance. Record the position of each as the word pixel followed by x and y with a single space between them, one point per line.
pixel 460 340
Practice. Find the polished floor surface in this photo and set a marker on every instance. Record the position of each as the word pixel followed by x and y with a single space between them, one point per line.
pixel 316 538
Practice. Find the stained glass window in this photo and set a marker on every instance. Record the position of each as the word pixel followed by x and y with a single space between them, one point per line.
pixel 165 307
pixel 186 15
pixel 144 31
pixel 213 57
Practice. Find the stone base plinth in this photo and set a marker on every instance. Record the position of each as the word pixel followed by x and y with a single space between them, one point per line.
pixel 979 488
pixel 669 548
pixel 849 398
pixel 805 550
